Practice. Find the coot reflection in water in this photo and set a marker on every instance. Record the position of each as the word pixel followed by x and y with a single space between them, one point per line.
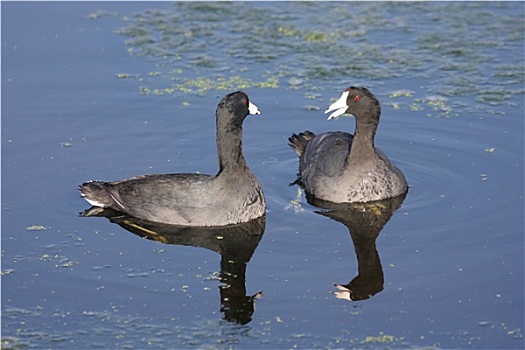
pixel 235 243
pixel 364 222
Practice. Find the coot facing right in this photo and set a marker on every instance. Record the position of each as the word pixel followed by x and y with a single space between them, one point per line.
pixel 231 196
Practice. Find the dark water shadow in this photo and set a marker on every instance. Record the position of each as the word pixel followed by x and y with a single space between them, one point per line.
pixel 235 243
pixel 364 222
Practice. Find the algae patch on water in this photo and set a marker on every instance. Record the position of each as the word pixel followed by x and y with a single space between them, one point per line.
pixel 217 46
pixel 36 228
pixel 201 85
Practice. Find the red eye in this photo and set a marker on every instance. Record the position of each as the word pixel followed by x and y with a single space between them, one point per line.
pixel 245 102
pixel 356 98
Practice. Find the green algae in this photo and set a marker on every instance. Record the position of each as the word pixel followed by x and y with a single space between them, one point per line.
pixel 36 228
pixel 201 85
pixel 217 46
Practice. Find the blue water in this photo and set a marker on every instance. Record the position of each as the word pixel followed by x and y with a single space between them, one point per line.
pixel 111 90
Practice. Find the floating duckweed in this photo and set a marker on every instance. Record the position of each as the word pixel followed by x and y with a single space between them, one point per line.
pixel 140 41
pixel 516 333
pixel 66 263
pixel 101 13
pixel 401 93
pixel 201 85
pixel 288 31
pixel 306 35
pixel 271 83
pixel 179 88
pixel 260 38
pixel 36 228
pixel 382 338
pixel 315 37
pixel 437 103
pixel 416 107
pixel 395 106
pixel 133 31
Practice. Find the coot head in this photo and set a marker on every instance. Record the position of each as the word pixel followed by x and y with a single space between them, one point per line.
pixel 359 102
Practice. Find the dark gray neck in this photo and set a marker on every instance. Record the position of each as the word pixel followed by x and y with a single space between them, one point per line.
pixel 229 149
pixel 363 147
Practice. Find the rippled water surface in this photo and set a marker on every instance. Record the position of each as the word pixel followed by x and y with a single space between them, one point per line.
pixel 95 90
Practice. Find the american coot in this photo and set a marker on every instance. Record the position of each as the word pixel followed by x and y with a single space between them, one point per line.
pixel 232 196
pixel 344 168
